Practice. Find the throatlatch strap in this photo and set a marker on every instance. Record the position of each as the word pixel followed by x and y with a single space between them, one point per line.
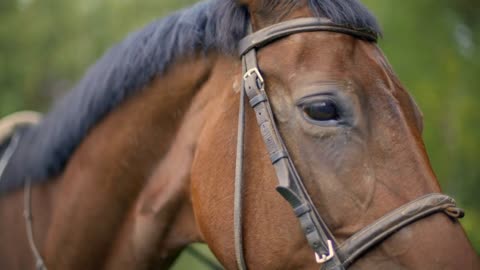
pixel 238 191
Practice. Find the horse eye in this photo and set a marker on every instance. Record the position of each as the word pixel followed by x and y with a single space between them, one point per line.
pixel 321 111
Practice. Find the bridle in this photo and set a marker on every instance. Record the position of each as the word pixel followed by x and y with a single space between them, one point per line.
pixel 328 251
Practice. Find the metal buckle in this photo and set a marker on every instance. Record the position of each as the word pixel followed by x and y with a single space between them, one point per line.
pixel 328 257
pixel 252 71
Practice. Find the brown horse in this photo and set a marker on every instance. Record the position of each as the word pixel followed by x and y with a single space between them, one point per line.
pixel 138 161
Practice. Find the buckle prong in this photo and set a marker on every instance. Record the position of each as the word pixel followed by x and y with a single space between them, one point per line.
pixel 326 257
pixel 252 71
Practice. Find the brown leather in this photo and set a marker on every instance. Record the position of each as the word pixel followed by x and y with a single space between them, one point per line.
pixel 413 211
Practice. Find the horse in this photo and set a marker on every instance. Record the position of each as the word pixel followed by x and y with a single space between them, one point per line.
pixel 151 151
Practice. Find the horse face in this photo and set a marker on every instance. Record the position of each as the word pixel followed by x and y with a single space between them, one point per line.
pixel 354 135
pixel 353 131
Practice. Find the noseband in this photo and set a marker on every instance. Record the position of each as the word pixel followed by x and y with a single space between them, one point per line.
pixel 328 252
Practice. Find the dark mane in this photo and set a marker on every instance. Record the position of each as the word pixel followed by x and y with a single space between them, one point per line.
pixel 125 68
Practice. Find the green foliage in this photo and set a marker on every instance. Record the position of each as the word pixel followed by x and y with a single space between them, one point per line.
pixel 187 261
pixel 434 45
pixel 434 48
pixel 45 46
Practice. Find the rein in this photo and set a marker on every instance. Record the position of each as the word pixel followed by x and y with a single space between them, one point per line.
pixel 327 250
pixel 27 201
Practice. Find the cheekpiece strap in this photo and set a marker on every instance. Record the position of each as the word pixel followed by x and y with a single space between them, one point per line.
pixel 290 186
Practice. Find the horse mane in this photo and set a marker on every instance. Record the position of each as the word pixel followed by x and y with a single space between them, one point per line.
pixel 213 25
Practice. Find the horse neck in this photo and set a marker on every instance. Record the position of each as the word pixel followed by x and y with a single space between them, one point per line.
pixel 125 190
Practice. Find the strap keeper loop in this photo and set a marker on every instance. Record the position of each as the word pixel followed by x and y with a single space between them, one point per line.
pixel 302 209
pixel 455 212
pixel 277 156
pixel 257 99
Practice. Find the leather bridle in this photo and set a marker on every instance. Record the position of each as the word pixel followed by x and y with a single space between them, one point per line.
pixel 328 251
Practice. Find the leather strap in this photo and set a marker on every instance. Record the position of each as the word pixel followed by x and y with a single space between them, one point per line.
pixel 27 215
pixel 238 192
pixel 359 243
pixel 269 34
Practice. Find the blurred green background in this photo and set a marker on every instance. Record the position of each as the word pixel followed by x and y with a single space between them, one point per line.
pixel 434 46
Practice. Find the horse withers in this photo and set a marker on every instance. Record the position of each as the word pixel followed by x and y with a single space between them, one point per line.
pixel 144 156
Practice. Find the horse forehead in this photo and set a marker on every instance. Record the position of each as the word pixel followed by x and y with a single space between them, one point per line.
pixel 309 51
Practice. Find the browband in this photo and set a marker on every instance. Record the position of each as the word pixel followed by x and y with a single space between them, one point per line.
pixel 269 34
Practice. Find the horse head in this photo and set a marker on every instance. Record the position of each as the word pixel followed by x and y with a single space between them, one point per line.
pixel 353 133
